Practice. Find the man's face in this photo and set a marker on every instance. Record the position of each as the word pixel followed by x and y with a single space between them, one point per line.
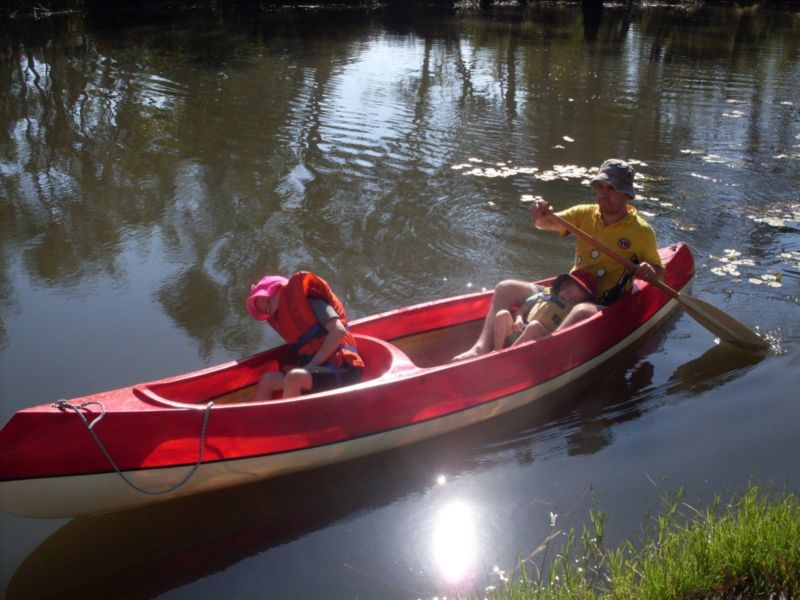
pixel 612 203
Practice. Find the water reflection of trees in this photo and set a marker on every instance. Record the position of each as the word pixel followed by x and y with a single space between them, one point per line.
pixel 107 129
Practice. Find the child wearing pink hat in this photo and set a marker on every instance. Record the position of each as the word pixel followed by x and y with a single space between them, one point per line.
pixel 543 312
pixel 305 312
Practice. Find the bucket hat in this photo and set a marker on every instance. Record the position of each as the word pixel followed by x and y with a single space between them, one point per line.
pixel 618 174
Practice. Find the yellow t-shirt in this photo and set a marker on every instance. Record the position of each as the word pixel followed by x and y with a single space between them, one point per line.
pixel 632 237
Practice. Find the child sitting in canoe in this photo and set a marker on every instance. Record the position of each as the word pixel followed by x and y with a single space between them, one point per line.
pixel 543 312
pixel 305 312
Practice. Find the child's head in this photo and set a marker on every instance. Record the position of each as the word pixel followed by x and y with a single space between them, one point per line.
pixel 575 287
pixel 261 293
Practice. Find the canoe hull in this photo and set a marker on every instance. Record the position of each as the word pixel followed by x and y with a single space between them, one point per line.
pixel 247 441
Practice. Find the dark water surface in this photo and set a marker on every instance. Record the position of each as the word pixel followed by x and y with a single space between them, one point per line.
pixel 149 171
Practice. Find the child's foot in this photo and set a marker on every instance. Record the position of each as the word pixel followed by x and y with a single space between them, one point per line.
pixel 471 353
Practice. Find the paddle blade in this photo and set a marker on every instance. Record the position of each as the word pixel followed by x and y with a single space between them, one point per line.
pixel 721 324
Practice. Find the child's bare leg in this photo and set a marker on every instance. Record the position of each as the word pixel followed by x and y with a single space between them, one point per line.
pixel 533 331
pixel 502 328
pixel 296 382
pixel 269 383
pixel 579 312
pixel 507 293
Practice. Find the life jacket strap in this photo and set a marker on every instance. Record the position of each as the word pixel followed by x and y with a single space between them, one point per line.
pixel 312 333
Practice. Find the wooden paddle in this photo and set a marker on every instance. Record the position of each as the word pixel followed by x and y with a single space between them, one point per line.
pixel 717 322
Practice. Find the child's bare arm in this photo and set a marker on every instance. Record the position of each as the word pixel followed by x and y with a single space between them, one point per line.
pixel 524 308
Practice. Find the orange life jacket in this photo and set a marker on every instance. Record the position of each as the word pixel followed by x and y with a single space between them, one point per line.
pixel 296 322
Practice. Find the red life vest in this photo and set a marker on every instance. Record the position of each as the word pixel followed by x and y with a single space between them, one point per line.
pixel 296 322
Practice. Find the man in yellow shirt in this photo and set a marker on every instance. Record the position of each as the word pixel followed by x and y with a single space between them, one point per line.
pixel 612 222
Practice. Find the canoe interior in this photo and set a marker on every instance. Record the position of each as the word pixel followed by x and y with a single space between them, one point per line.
pixel 426 349
pixel 235 383
pixel 393 344
pixel 438 346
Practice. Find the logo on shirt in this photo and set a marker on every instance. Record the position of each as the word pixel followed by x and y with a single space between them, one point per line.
pixel 624 243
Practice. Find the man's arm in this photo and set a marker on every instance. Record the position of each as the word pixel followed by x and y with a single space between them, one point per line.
pixel 539 211
pixel 649 269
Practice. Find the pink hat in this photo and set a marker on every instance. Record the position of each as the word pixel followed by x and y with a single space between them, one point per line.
pixel 268 286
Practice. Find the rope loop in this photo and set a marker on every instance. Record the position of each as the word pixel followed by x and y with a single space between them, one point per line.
pixel 80 407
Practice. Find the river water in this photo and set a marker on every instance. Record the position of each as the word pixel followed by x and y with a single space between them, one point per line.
pixel 151 169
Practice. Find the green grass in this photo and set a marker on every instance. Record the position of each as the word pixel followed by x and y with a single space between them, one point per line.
pixel 748 548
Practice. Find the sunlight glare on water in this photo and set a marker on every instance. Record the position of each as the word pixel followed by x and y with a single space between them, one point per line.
pixel 455 545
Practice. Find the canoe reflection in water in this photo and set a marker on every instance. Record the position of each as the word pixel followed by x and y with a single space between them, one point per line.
pixel 627 392
pixel 598 418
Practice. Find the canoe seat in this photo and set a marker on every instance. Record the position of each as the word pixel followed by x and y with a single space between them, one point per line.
pixel 380 357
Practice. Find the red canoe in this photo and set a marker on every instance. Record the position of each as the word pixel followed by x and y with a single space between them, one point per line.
pixel 161 440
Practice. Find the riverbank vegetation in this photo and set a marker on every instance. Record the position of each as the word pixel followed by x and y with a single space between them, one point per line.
pixel 745 548
pixel 48 8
